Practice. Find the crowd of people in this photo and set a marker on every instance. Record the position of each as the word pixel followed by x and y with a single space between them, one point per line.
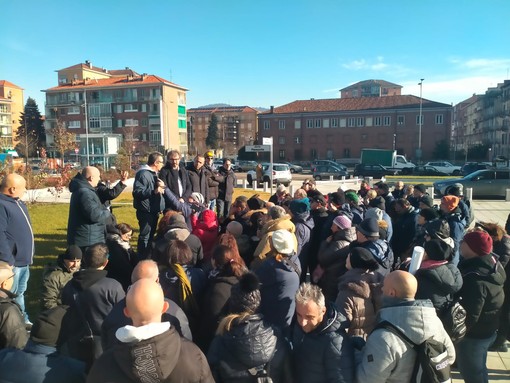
pixel 309 287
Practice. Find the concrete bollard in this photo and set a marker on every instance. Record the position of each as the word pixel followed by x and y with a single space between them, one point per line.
pixel 430 191
pixel 291 190
pixel 507 197
pixel 254 185
pixel 245 184
pixel 266 185
pixel 331 178
pixel 469 193
pixel 343 178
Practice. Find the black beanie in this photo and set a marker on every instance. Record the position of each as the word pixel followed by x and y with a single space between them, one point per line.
pixel 429 213
pixel 362 258
pixel 369 227
pixel 46 328
pixel 378 202
pixel 245 295
pixel 255 203
pixel 437 250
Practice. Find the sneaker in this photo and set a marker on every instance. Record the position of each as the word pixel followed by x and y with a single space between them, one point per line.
pixel 498 348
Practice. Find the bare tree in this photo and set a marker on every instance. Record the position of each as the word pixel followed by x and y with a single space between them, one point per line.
pixel 63 140
pixel 125 154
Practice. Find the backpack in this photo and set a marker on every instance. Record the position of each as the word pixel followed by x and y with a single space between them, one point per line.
pixel 453 316
pixel 432 365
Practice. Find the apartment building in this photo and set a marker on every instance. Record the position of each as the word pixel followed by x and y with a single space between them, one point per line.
pixel 11 107
pixel 340 128
pixel 237 127
pixel 109 109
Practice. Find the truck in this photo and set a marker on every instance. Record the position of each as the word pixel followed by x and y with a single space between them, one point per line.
pixel 387 158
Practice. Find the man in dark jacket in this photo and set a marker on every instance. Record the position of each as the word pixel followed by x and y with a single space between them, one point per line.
pixel 39 361
pixel 175 176
pixel 482 297
pixel 16 236
pixel 404 228
pixel 198 177
pixel 12 326
pixel 87 216
pixel 303 221
pixel 107 193
pixel 150 350
pixel 91 295
pixel 451 213
pixel 226 188
pixel 148 201
pixel 322 351
pixel 213 179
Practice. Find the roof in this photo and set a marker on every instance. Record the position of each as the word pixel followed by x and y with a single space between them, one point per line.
pixel 115 82
pixel 354 104
pixel 5 83
pixel 383 83
pixel 223 109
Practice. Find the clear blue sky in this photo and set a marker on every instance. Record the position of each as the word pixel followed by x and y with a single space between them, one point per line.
pixel 266 52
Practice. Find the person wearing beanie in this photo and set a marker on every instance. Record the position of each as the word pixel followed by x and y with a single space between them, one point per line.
pixel 279 277
pixel 359 291
pixel 332 256
pixel 425 202
pixel 304 223
pixel 378 214
pixel 438 280
pixel 206 230
pixel 245 343
pixel 280 195
pixel 418 192
pixel 357 211
pixel 465 205
pixel 40 361
pixel 482 297
pixel 56 276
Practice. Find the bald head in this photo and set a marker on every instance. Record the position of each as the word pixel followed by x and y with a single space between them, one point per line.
pixel 145 269
pixel 400 284
pixel 145 302
pixel 92 174
pixel 13 185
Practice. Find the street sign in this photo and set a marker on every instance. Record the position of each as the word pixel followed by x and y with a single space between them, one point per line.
pixel 267 140
pixel 258 148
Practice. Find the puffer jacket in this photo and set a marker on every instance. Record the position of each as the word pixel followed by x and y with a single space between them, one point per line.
pixel 325 354
pixel 359 300
pixel 12 326
pixel 502 249
pixel 438 283
pixel 482 294
pixel 206 229
pixel 251 343
pixel 332 256
pixel 304 225
pixel 55 277
pixel 388 358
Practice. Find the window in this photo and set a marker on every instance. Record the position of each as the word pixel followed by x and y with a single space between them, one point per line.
pixel 418 119
pixel 325 123
pixel 343 122
pixel 351 122
pixel 74 124
pixel 281 154
pixel 144 107
pixel 347 153
pixel 401 120
pixel 334 122
pixel 119 124
pixel 181 110
pixel 297 139
pixel 297 124
pixel 313 153
pixel 309 123
pixel 281 124
pixel 387 120
pixel 329 154
pixel 118 108
pixel 130 108
pixel 144 122
pixel 281 140
pixel 317 123
pixel 155 108
pixel 267 125
pixel 155 137
pixel 378 121
pixel 368 121
pixel 439 119
pixel 360 121
pixel 74 110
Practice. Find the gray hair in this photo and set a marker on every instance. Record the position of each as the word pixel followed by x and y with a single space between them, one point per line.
pixel 277 212
pixel 308 292
pixel 146 268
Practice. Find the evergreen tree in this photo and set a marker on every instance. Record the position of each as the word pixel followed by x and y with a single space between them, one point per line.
pixel 33 134
pixel 212 133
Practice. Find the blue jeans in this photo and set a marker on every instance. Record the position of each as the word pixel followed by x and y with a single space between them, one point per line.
pixel 19 286
pixel 472 359
pixel 212 205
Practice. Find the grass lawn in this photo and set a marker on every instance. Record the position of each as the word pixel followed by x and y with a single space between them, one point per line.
pixel 49 222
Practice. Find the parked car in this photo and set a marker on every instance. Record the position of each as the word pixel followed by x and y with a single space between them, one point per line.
pixel 294 168
pixel 281 174
pixel 327 162
pixel 470 167
pixel 429 171
pixel 325 171
pixel 446 167
pixel 246 166
pixel 485 183
pixel 376 171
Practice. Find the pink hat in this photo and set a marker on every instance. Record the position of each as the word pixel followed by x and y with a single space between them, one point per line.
pixel 342 222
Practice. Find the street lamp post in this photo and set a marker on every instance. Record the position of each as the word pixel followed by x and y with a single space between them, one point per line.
pixel 86 127
pixel 419 152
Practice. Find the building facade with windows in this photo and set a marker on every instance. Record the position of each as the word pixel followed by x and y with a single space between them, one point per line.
pixel 146 111
pixel 340 128
pixel 371 88
pixel 237 127
pixel 11 107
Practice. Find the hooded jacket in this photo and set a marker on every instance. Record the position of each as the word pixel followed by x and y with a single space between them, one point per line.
pixel 55 277
pixel 122 260
pixel 144 198
pixel 382 254
pixel 16 235
pixel 359 300
pixel 386 357
pixel 326 353
pixel 87 215
pixel 404 230
pixel 332 256
pixel 252 343
pixel 206 229
pixel 12 325
pixel 482 294
pixel 165 358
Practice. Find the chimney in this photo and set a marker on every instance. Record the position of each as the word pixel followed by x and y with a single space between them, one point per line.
pixel 87 62
pixel 271 109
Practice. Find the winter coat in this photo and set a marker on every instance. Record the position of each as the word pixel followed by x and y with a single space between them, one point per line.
pixel 457 226
pixel 206 229
pixel 87 215
pixel 38 363
pixel 332 257
pixel 198 181
pixel 106 194
pixel 502 250
pixel 12 325
pixel 304 225
pixel 326 353
pixel 264 246
pixel 214 178
pixel 165 358
pixel 226 187
pixel 165 174
pixel 359 300
pixel 404 230
pixel 438 283
pixel 388 358
pixel 181 233
pixel 252 343
pixel 381 252
pixel 144 198
pixel 482 294
pixel 214 306
pixel 279 283
pixel 16 235
pixel 55 277
pixel 122 260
